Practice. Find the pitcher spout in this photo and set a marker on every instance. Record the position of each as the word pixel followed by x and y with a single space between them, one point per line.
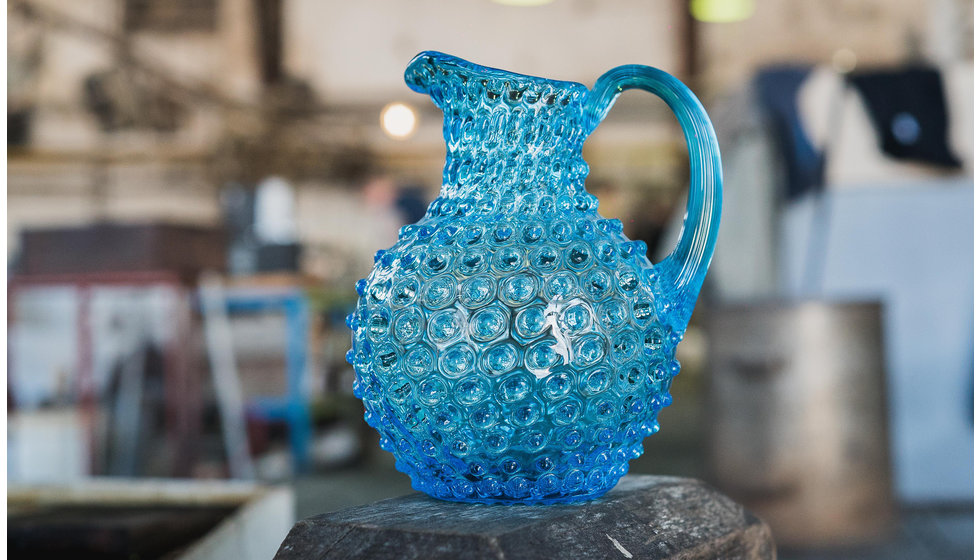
pixel 421 72
pixel 430 69
pixel 504 132
pixel 432 72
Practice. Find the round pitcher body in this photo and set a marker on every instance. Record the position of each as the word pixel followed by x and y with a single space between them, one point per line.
pixel 516 359
pixel 513 346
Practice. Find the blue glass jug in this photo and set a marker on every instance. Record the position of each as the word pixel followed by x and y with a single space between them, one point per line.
pixel 513 346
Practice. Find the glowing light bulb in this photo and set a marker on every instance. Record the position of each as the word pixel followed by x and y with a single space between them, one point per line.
pixel 398 120
pixel 722 11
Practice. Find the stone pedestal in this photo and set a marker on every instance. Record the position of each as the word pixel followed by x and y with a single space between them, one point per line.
pixel 642 517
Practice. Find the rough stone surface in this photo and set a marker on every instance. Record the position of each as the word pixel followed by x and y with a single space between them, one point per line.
pixel 642 517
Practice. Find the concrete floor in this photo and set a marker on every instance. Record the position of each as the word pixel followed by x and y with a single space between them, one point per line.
pixel 347 488
pixel 944 533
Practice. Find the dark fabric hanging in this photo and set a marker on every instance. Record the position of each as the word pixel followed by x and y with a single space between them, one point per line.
pixel 777 89
pixel 908 109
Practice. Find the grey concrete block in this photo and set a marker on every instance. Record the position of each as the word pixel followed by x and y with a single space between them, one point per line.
pixel 642 517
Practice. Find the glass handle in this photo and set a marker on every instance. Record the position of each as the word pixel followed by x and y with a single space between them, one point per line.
pixel 681 274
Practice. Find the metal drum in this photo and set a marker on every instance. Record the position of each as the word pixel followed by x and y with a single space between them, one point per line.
pixel 798 422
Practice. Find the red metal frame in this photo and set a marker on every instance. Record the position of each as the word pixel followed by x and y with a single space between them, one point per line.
pixel 182 398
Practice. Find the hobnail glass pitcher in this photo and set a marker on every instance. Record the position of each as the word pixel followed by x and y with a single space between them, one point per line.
pixel 513 346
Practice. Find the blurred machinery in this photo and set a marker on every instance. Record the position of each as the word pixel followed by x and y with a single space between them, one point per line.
pixel 798 419
pixel 109 319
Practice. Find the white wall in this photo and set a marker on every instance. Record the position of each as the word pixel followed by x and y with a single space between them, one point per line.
pixel 358 51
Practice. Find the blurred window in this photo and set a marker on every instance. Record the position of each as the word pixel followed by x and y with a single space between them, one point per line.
pixel 171 15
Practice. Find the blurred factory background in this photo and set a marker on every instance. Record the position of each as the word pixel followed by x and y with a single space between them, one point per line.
pixel 194 186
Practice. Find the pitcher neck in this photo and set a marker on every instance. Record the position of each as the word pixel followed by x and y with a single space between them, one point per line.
pixel 509 161
pixel 508 136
